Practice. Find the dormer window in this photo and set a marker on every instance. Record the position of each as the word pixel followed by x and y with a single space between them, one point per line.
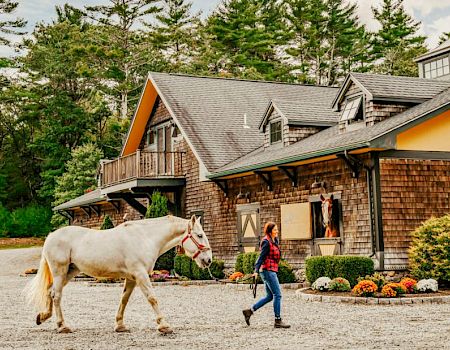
pixel 436 68
pixel 353 110
pixel 275 132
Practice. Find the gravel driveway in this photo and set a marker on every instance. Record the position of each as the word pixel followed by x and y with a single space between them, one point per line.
pixel 209 317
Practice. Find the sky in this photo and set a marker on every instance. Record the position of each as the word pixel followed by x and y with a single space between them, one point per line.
pixel 434 14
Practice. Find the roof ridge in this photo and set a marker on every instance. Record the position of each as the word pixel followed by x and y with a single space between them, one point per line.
pixel 243 80
pixel 400 77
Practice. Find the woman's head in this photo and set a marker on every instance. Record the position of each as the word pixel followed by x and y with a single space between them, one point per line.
pixel 271 229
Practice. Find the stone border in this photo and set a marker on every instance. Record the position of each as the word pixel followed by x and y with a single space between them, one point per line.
pixel 371 301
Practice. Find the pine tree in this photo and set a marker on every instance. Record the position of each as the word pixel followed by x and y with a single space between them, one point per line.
pixel 107 223
pixel 174 33
pixel 10 26
pixel 444 37
pixel 396 44
pixel 158 206
pixel 247 34
pixel 80 176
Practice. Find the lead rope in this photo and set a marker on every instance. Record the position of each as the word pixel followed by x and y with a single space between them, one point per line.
pixel 216 279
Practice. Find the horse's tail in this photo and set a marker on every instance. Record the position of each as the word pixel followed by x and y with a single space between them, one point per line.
pixel 36 291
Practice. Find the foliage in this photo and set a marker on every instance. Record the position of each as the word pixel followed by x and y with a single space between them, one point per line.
pixel 185 266
pixel 5 221
pixel 235 276
pixel 158 206
pixel 410 284
pixel 392 290
pixel 107 223
pixel 444 37
pixel 249 261
pixel 340 284
pixel 365 289
pixel 348 267
pixel 166 260
pixel 322 284
pixel 9 26
pixel 31 221
pixel 377 278
pixel 427 285
pixel 429 254
pixel 285 272
pixel 238 267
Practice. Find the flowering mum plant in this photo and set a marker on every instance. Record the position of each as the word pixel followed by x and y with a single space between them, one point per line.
pixel 340 284
pixel 392 290
pixel 235 276
pixel 322 284
pixel 365 288
pixel 409 284
pixel 429 285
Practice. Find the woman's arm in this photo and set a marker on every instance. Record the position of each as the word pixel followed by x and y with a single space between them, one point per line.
pixel 265 249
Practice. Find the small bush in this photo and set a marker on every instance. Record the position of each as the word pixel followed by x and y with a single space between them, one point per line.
pixel 348 267
pixel 248 262
pixel 166 261
pixel 377 278
pixel 235 276
pixel 365 288
pixel 322 284
pixel 340 284
pixel 393 290
pixel 429 254
pixel 31 221
pixel 185 266
pixel 158 206
pixel 217 267
pixel 238 267
pixel 107 223
pixel 285 272
pixel 429 285
pixel 409 284
pixel 5 221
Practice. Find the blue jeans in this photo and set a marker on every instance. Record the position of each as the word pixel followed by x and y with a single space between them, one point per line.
pixel 273 292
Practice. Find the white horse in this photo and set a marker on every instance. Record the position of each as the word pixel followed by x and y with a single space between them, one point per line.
pixel 129 250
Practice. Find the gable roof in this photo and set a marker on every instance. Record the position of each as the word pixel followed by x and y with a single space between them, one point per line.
pixel 445 46
pixel 330 141
pixel 312 109
pixel 393 88
pixel 210 111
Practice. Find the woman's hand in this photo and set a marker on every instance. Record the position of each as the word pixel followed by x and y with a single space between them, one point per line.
pixel 255 274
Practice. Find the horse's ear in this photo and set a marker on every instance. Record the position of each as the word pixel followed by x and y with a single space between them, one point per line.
pixel 193 219
pixel 322 198
pixel 332 197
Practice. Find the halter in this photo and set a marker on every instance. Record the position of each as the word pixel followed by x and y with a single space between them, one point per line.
pixel 201 248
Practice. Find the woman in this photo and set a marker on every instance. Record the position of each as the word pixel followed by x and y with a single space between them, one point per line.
pixel 267 265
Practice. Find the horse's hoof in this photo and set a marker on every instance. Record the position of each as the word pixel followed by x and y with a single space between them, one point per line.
pixel 121 329
pixel 64 330
pixel 165 330
pixel 38 319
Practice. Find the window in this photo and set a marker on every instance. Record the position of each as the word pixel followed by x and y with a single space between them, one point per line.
pixel 275 132
pixel 333 228
pixel 150 137
pixel 436 68
pixel 353 110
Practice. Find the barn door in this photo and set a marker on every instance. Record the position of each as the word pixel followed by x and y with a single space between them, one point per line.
pixel 248 227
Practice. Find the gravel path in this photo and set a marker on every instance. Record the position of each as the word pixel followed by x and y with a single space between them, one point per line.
pixel 209 317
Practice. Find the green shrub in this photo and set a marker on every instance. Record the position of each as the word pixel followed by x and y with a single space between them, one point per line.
pixel 377 278
pixel 238 267
pixel 166 261
pixel 185 266
pixel 348 267
pixel 177 263
pixel 158 206
pixel 285 273
pixel 339 284
pixel 107 223
pixel 429 254
pixel 31 221
pixel 248 262
pixel 217 267
pixel 5 221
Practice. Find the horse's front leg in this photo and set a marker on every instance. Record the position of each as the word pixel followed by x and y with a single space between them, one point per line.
pixel 127 290
pixel 144 283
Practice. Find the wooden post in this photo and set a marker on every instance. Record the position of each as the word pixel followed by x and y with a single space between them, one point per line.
pixel 138 163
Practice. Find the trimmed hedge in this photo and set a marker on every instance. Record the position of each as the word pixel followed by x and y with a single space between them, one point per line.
pixel 285 273
pixel 185 266
pixel 166 261
pixel 348 267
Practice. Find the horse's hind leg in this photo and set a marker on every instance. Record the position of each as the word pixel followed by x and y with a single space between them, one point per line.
pixel 44 316
pixel 144 283
pixel 127 290
pixel 59 282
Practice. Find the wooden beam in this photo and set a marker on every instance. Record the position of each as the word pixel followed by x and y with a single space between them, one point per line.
pixel 130 199
pixel 267 178
pixel 291 172
pixel 116 205
pixel 223 185
pixel 96 209
pixel 87 211
pixel 428 155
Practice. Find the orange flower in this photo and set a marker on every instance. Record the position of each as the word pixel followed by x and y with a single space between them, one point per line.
pixel 236 276
pixel 365 288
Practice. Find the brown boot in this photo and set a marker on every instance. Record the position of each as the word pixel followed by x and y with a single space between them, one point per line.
pixel 280 324
pixel 247 313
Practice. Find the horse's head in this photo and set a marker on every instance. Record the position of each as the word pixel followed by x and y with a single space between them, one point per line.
pixel 195 243
pixel 327 209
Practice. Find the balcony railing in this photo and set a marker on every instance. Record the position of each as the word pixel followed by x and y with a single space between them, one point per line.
pixel 142 164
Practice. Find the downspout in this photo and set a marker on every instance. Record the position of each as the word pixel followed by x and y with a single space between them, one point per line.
pixel 376 186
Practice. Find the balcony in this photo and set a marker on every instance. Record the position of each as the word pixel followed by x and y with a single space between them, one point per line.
pixel 142 169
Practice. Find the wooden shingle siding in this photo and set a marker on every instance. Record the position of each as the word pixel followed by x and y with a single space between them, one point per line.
pixel 160 114
pixel 297 133
pixel 412 192
pixel 379 111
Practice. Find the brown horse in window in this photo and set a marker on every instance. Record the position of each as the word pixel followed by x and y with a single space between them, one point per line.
pixel 331 229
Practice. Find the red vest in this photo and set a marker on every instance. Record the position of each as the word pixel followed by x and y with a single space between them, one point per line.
pixel 273 258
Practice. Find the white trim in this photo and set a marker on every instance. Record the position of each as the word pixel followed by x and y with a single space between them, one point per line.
pixel 172 114
pixel 349 79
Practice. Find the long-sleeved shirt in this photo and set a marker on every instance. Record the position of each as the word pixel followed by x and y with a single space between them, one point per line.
pixel 265 249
